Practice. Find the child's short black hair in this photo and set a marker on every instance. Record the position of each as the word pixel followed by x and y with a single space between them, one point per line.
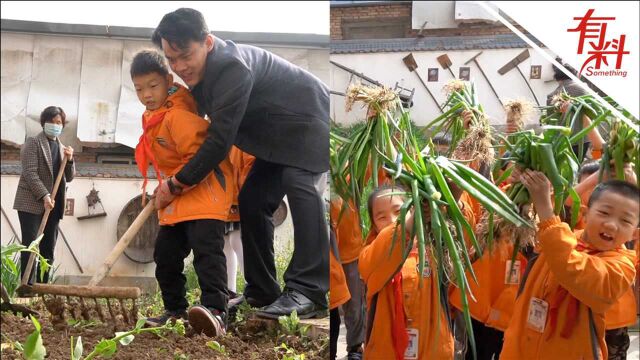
pixel 619 187
pixel 181 27
pixel 148 61
pixel 589 168
pixel 376 192
pixel 50 112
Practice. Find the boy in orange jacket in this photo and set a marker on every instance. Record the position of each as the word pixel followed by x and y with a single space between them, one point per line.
pixel 172 133
pixel 406 319
pixel 574 280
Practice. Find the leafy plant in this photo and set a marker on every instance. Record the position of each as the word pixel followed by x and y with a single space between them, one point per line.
pixel 33 347
pixel 108 347
pixel 468 141
pixel 290 325
pixel 288 353
pixel 433 181
pixel 10 272
pixel 357 159
pixel 623 147
pixel 212 344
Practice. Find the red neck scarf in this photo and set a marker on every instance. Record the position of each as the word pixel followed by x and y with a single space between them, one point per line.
pixel 399 334
pixel 144 155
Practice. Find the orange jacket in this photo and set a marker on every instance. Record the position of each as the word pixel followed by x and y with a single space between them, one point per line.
pixel 348 232
pixel 596 281
pixel 495 293
pixel 241 163
pixel 173 142
pixel 421 303
pixel 338 289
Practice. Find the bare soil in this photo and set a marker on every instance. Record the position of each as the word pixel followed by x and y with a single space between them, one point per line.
pixel 245 340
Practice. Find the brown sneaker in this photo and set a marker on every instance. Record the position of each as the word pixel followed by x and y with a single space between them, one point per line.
pixel 207 321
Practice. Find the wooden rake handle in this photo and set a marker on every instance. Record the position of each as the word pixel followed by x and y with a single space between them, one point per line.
pixel 122 244
pixel 43 222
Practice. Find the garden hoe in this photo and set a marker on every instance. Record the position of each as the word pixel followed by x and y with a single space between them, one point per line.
pixel 57 294
pixel 411 64
pixel 514 64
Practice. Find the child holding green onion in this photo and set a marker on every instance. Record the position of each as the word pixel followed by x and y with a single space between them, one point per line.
pixel 406 319
pixel 576 278
pixel 623 313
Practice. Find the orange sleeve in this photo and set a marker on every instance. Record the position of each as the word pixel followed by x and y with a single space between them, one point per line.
pixel 596 281
pixel 247 164
pixel 188 134
pixel 338 289
pixel 376 264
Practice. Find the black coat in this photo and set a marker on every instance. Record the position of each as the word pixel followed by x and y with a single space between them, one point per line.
pixel 265 105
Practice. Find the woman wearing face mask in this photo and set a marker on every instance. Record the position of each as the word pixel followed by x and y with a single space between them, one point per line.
pixel 41 157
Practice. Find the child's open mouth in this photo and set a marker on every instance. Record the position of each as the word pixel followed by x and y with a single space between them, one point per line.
pixel 606 237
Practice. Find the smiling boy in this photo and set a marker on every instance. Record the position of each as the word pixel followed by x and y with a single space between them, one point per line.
pixel 172 133
pixel 559 313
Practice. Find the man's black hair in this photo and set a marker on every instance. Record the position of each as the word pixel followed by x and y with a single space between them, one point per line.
pixel 148 61
pixel 181 27
pixel 619 187
pixel 376 192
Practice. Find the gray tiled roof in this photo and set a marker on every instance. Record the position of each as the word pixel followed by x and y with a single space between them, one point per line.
pixel 439 43
pixel 88 170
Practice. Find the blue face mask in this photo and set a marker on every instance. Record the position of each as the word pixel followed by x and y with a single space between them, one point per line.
pixel 52 129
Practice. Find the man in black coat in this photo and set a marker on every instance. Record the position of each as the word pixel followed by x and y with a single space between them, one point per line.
pixel 279 113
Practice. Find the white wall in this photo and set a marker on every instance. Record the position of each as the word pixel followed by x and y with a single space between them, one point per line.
pixel 388 68
pixel 89 78
pixel 92 239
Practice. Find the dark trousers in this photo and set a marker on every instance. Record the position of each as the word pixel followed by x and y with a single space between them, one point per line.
pixel 29 224
pixel 174 243
pixel 618 343
pixel 488 342
pixel 334 332
pixel 262 192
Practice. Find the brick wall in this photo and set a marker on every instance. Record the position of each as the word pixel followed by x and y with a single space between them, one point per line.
pixel 88 155
pixel 367 13
pixel 388 12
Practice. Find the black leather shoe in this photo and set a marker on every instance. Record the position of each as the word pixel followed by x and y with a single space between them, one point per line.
pixel 289 301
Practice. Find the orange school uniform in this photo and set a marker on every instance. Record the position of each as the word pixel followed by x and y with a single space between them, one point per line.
pixel 338 289
pixel 348 232
pixel 563 291
pixel 495 291
pixel 426 321
pixel 241 164
pixel 173 141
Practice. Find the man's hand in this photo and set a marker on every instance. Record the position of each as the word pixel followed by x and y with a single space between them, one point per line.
pixel 68 152
pixel 48 202
pixel 565 106
pixel 540 192
pixel 163 195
